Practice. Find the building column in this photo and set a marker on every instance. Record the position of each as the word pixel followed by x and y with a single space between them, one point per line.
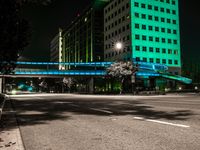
pixel 91 85
pixel 1 85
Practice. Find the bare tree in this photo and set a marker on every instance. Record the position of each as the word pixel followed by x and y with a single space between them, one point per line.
pixel 121 70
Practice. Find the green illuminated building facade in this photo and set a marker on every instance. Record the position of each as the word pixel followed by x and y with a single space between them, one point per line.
pixel 149 30
pixel 83 39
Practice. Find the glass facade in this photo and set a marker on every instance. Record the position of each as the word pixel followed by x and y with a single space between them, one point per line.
pixel 83 39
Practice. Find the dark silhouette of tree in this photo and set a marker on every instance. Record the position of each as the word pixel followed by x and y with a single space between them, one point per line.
pixel 14 32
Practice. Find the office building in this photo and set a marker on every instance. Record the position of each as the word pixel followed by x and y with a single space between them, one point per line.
pixel 56 48
pixel 147 29
pixel 83 38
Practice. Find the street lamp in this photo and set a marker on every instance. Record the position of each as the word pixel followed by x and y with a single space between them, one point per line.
pixel 118 45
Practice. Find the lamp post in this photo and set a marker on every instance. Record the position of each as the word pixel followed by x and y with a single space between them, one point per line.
pixel 118 45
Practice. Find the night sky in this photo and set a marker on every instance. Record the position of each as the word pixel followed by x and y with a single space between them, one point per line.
pixel 45 21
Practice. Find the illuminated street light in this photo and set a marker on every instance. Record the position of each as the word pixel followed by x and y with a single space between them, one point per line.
pixel 119 45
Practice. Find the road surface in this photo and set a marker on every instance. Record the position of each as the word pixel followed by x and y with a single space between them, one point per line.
pixel 89 122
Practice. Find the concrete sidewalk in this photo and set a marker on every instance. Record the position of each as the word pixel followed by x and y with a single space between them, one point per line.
pixel 10 137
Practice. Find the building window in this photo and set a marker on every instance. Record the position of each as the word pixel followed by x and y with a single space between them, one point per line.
pixel 176 62
pixel 169 41
pixel 143 5
pixel 163 50
pixel 127 26
pixel 170 61
pixel 137 36
pixel 136 4
pixel 137 58
pixel 151 60
pixel 173 2
pixel 150 7
pixel 163 40
pixel 163 30
pixel 174 21
pixel 137 26
pixel 168 11
pixel 123 18
pixel 143 16
pixel 162 19
pixel 144 48
pixel 137 48
pixel 127 37
pixel 144 27
pixel 150 38
pixel 127 5
pixel 157 39
pixel 175 41
pixel 156 18
pixel 157 29
pixel 145 59
pixel 169 51
pixel 168 20
pixel 137 15
pixel 174 12
pixel 151 28
pixel 169 30
pixel 150 17
pixel 144 38
pixel 156 8
pixel 162 9
pixel 157 50
pixel 150 49
pixel 164 61
pixel 174 32
pixel 176 52
pixel 157 60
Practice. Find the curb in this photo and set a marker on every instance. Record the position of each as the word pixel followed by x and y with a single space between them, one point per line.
pixel 12 135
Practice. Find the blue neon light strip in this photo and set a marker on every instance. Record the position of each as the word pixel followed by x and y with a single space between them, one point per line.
pixel 66 63
pixel 52 72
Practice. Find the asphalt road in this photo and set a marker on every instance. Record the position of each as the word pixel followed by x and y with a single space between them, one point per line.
pixel 86 122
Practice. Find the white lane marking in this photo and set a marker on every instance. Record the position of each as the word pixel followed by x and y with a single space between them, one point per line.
pixel 162 122
pixel 74 105
pixel 101 110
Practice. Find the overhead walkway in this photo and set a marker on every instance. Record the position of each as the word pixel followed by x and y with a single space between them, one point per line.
pixel 159 70
pixel 95 69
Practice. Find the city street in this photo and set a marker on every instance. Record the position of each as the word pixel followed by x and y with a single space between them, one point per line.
pixel 97 122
